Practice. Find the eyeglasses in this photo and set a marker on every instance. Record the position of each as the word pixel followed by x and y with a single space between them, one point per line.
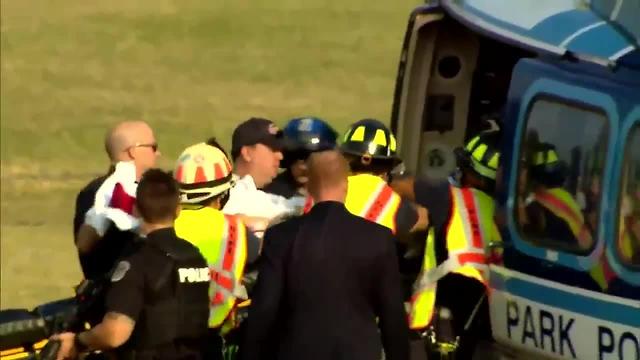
pixel 153 146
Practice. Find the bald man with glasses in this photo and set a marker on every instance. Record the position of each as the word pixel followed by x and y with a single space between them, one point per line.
pixel 100 239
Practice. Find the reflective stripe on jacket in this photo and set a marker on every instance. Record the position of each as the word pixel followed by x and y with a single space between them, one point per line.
pixel 564 206
pixel 423 300
pixel 471 229
pixel 370 197
pixel 222 240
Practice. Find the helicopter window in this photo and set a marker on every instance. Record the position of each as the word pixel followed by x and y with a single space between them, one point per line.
pixel 628 244
pixel 562 157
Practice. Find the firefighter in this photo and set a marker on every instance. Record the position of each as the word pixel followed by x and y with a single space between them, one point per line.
pixel 629 229
pixel 203 172
pixel 370 148
pixel 302 137
pixel 462 228
pixel 551 211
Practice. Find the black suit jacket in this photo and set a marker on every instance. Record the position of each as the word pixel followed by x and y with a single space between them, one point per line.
pixel 324 278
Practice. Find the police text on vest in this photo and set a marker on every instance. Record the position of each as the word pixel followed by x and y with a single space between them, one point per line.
pixel 194 275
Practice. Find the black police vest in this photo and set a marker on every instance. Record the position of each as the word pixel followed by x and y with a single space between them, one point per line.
pixel 182 318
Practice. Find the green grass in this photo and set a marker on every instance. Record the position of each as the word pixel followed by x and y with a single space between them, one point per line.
pixel 192 68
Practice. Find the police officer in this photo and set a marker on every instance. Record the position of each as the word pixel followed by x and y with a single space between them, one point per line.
pixel 158 303
pixel 462 228
pixel 203 173
pixel 370 148
pixel 302 136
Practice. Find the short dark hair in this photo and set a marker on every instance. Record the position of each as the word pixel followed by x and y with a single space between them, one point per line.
pixel 212 141
pixel 157 196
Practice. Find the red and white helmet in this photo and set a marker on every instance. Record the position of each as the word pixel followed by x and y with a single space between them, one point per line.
pixel 202 171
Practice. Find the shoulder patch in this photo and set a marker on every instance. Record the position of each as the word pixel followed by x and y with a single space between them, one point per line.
pixel 120 271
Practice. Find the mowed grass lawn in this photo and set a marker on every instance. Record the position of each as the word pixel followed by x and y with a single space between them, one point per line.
pixel 192 68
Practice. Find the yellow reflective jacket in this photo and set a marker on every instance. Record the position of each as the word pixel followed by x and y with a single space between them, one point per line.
pixel 222 240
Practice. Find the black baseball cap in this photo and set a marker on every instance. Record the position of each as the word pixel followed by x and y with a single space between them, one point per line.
pixel 256 131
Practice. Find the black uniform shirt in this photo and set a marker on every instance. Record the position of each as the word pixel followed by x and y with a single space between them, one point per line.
pixel 126 293
pixel 129 292
pixel 103 256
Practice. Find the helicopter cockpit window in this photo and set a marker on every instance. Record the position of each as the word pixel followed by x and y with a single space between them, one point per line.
pixel 559 185
pixel 628 244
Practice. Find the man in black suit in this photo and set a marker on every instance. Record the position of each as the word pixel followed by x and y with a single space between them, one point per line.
pixel 325 279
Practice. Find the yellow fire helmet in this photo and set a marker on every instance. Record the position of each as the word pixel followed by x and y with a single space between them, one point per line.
pixel 202 172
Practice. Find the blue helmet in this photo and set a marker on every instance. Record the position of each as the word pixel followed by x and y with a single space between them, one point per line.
pixel 309 134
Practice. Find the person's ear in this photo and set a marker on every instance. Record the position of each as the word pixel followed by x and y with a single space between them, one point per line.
pixel 177 213
pixel 246 153
pixel 130 151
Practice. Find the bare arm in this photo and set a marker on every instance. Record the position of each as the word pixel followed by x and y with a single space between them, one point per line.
pixel 114 330
pixel 404 186
pixel 410 218
pixel 86 238
pixel 423 219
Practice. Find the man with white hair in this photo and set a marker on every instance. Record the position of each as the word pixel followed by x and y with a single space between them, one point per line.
pixel 104 207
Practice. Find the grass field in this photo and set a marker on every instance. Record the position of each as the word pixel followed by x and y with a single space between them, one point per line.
pixel 192 68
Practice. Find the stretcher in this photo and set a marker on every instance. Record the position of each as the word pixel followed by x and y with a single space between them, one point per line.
pixel 24 333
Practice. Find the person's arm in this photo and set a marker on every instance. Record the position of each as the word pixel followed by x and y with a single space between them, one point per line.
pixel 266 297
pixel 114 330
pixel 86 238
pixel 123 302
pixel 404 186
pixel 95 225
pixel 394 328
pixel 83 204
pixel 411 218
pixel 258 204
pixel 277 206
pixel 423 218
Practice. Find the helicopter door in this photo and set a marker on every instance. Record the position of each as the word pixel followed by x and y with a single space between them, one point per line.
pixel 553 292
pixel 433 87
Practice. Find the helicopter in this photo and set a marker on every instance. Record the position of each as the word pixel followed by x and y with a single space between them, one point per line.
pixel 560 73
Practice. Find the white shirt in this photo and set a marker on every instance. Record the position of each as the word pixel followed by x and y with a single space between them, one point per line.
pixel 245 198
